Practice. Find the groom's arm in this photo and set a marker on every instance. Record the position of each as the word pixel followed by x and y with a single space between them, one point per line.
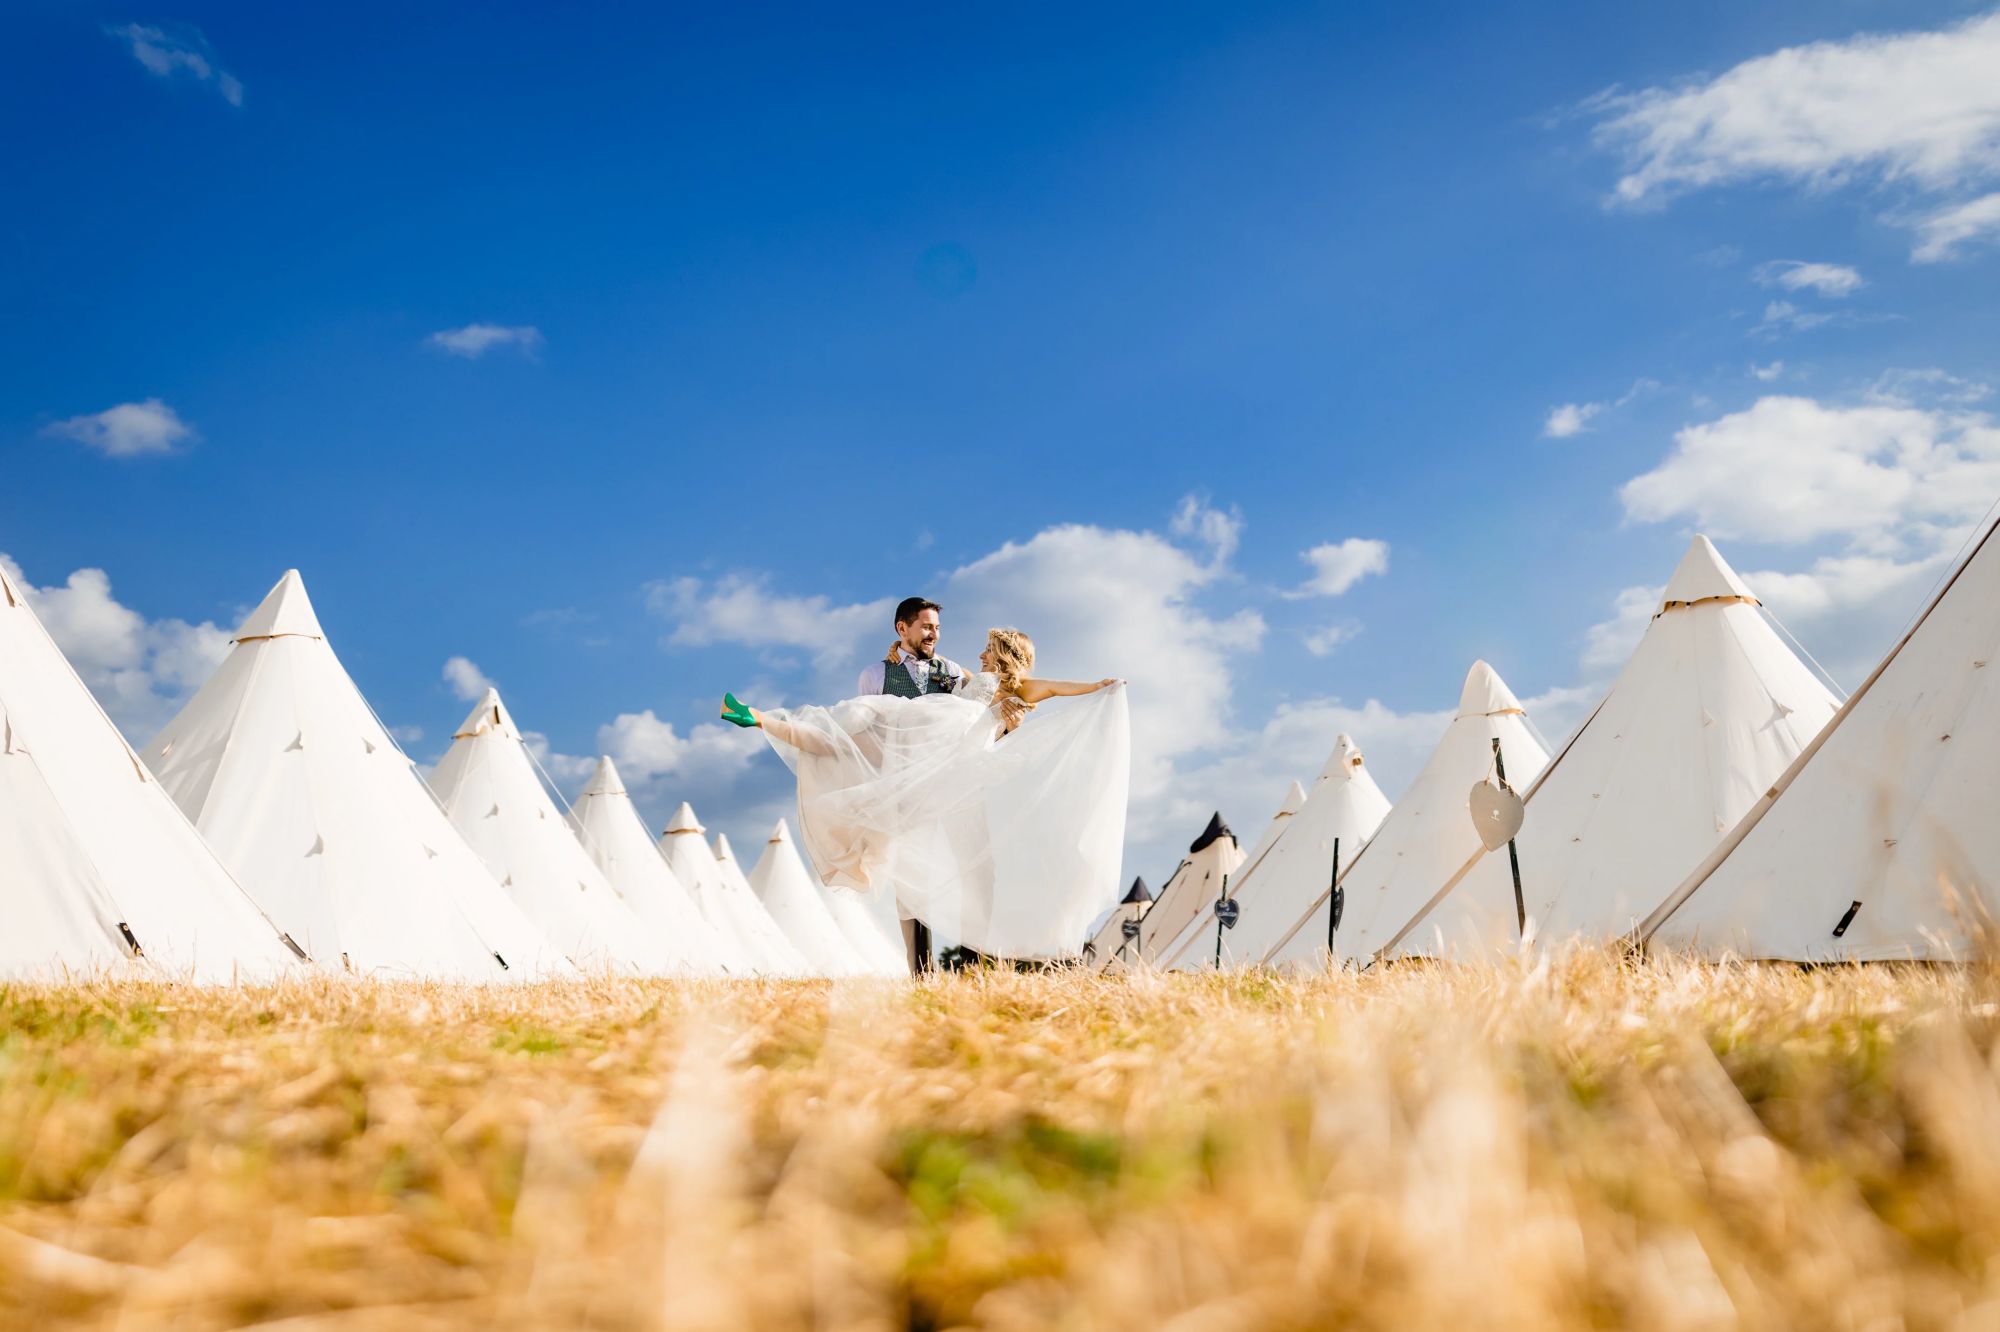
pixel 871 678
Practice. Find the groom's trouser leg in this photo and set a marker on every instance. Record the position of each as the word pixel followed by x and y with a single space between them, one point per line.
pixel 917 946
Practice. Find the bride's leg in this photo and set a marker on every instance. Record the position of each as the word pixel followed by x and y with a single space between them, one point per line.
pixel 806 739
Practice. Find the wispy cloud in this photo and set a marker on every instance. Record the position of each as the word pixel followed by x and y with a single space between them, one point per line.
pixel 1767 373
pixel 1946 233
pixel 180 51
pixel 1573 418
pixel 475 340
pixel 1834 280
pixel 129 430
pixel 1915 110
pixel 1785 317
pixel 1322 642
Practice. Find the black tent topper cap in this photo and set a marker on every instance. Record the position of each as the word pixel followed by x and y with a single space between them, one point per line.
pixel 1215 830
pixel 1138 892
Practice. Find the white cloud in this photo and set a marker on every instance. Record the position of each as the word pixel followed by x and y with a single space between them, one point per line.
pixel 1792 469
pixel 1339 565
pixel 467 681
pixel 475 340
pixel 1921 107
pixel 1947 232
pixel 1898 483
pixel 1915 110
pixel 129 430
pixel 1221 531
pixel 1834 280
pixel 647 749
pixel 141 670
pixel 742 609
pixel 1767 373
pixel 1571 418
pixel 184 50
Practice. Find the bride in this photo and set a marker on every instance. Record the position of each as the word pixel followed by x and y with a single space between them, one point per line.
pixel 1005 839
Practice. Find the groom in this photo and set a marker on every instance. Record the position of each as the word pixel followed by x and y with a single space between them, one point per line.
pixel 911 669
pixel 913 666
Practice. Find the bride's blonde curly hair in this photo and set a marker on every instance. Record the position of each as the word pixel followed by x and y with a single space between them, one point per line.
pixel 1013 657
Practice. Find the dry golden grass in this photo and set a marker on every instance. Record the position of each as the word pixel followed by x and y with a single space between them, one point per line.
pixel 1584 1143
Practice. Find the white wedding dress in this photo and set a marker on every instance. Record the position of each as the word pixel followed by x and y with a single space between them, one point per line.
pixel 1007 844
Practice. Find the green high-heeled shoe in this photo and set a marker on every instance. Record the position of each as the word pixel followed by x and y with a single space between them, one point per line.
pixel 736 712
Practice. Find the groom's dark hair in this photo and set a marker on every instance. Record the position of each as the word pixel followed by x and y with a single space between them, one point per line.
pixel 909 608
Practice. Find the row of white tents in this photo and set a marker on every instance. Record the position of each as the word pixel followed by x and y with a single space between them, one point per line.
pixel 1720 800
pixel 274 824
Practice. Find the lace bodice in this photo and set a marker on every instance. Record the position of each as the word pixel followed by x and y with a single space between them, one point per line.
pixel 980 687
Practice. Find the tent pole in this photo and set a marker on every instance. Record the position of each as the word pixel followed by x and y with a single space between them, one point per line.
pixel 1219 919
pixel 1513 857
pixel 1333 904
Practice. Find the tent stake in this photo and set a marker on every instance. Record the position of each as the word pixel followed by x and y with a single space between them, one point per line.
pixel 1513 858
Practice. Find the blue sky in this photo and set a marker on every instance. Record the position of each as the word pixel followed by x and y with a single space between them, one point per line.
pixel 632 355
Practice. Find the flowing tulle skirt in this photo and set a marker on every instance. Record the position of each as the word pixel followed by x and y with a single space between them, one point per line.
pixel 1008 845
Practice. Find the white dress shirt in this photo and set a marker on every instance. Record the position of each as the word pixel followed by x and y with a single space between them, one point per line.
pixel 919 669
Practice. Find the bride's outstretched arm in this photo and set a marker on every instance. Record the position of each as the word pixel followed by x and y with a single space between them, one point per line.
pixel 1035 691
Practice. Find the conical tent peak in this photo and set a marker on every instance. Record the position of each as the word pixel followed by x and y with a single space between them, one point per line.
pixel 1485 693
pixel 286 611
pixel 1137 893
pixel 488 716
pixel 1294 800
pixel 684 821
pixel 1703 575
pixel 779 833
pixel 1214 832
pixel 605 780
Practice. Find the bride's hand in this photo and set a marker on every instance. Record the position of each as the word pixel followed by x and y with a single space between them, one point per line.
pixel 895 652
pixel 1108 681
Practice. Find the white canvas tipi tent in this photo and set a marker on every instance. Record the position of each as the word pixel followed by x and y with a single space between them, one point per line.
pixel 1709 709
pixel 755 916
pixel 609 826
pixel 1427 836
pixel 1275 888
pixel 733 912
pixel 94 856
pixel 284 768
pixel 1109 948
pixel 1880 840
pixel 786 888
pixel 488 785
pixel 1194 885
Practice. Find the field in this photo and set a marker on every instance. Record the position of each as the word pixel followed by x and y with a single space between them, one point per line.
pixel 1583 1142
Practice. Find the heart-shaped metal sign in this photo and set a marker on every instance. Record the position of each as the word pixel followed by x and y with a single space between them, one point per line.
pixel 1496 812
